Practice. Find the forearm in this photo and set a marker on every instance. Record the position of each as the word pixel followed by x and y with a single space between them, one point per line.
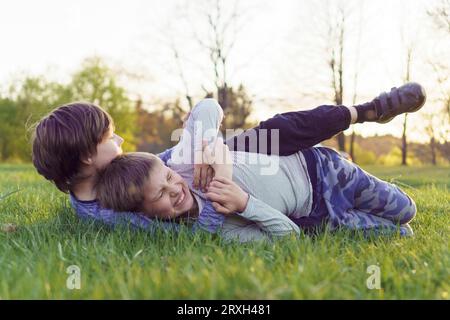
pixel 268 219
pixel 223 171
pixel 247 232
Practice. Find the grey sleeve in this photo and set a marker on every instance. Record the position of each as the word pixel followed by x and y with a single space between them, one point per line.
pixel 268 219
pixel 204 122
pixel 239 229
pixel 258 221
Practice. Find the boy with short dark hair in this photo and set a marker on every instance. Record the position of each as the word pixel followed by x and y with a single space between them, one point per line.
pixel 75 141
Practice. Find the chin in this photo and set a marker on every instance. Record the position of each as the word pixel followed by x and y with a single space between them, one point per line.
pixel 187 202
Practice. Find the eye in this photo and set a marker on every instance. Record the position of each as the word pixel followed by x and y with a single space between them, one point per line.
pixel 159 196
pixel 169 176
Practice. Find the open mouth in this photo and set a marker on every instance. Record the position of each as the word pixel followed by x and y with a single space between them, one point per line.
pixel 181 198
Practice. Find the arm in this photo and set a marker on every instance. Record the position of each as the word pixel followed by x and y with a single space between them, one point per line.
pixel 219 157
pixel 229 198
pixel 269 219
pixel 200 128
pixel 207 117
pixel 243 230
pixel 236 228
pixel 209 219
pixel 202 124
pixel 93 211
pixel 165 155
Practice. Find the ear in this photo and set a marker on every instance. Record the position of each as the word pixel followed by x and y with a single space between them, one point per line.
pixel 87 161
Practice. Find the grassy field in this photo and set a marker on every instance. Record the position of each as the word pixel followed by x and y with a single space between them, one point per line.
pixel 129 264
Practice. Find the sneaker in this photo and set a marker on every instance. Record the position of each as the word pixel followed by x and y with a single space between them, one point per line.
pixel 410 97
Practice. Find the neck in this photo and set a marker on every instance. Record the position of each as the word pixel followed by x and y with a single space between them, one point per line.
pixel 84 189
pixel 192 212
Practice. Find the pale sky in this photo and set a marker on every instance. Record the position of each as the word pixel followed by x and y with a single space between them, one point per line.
pixel 275 55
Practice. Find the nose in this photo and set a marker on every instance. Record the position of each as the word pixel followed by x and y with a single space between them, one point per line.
pixel 119 139
pixel 174 190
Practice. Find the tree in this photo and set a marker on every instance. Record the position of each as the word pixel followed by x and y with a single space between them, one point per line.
pixel 407 78
pixel 440 15
pixel 409 36
pixel 32 97
pixel 221 23
pixel 430 129
pixel 29 100
pixel 219 40
pixel 155 128
pixel 8 128
pixel 336 33
pixel 239 108
pixel 355 81
pixel 96 82
pixel 328 44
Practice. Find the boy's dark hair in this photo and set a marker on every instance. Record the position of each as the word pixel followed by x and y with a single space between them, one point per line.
pixel 64 137
pixel 120 185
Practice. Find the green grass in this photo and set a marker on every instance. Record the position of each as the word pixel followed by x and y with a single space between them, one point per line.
pixel 129 264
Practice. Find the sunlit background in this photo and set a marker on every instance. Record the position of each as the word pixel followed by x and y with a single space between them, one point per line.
pixel 280 51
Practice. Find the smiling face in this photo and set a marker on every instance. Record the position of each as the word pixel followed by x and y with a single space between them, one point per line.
pixel 167 195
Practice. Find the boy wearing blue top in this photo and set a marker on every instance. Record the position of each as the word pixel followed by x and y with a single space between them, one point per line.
pixel 75 141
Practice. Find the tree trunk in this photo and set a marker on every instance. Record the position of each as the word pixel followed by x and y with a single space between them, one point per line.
pixel 340 93
pixel 341 141
pixel 222 95
pixel 340 136
pixel 407 79
pixel 404 143
pixel 433 151
pixel 352 145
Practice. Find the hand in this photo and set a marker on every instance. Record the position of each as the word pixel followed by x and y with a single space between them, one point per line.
pixel 219 157
pixel 227 196
pixel 203 172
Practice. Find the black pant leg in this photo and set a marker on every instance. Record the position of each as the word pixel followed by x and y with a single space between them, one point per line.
pixel 297 130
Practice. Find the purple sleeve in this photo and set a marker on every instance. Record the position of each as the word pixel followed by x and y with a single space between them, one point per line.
pixel 209 219
pixel 91 210
pixel 165 155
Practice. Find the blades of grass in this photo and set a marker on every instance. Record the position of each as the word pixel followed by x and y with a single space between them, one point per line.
pixel 3 197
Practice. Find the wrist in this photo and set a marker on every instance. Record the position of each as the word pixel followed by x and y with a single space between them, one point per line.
pixel 244 202
pixel 223 171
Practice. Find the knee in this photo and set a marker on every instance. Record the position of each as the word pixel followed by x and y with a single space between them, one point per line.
pixel 411 213
pixel 210 102
pixel 209 105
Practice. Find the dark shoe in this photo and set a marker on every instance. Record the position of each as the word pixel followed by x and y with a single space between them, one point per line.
pixel 410 97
